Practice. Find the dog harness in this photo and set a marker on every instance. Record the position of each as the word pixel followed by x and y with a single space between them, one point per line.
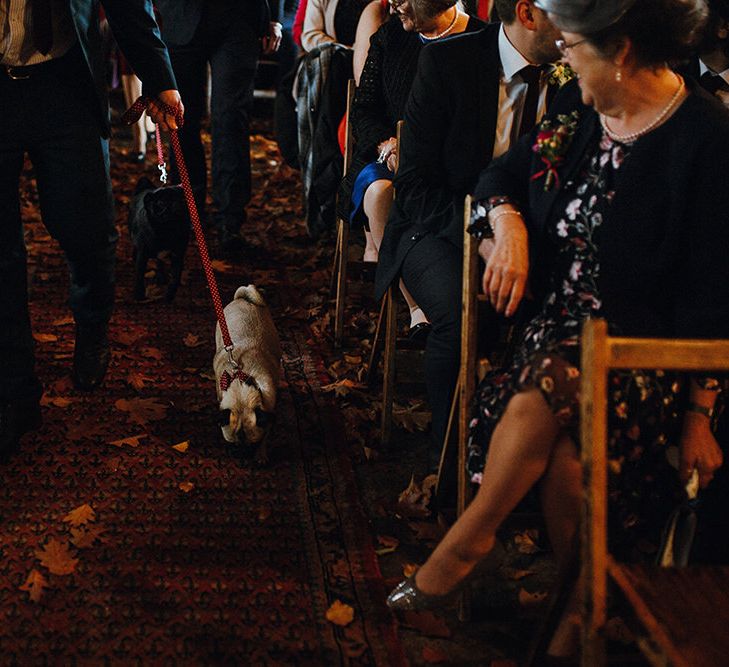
pixel 226 379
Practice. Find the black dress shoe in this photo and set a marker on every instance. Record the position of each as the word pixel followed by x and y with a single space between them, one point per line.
pixel 90 357
pixel 16 419
pixel 420 332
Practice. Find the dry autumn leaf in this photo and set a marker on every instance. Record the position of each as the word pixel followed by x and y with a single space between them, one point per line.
pixel 151 353
pixel 127 337
pixel 82 538
pixel 142 410
pixel 221 266
pixel 56 401
pixel 82 515
pixel 527 599
pixel 387 544
pixel 340 613
pixel 186 486
pixel 414 501
pixel 34 585
pixel 45 337
pixel 56 556
pixel 409 569
pixel 138 381
pixel 63 321
pixel 182 446
pixel 131 441
pixel 343 387
pixel 191 340
pixel 412 418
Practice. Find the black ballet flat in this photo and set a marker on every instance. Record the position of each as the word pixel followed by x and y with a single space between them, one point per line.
pixel 420 332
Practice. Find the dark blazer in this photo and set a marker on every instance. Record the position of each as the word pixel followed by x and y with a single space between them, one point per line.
pixel 180 18
pixel 665 237
pixel 137 34
pixel 447 139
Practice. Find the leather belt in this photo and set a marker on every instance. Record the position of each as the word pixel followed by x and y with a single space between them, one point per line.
pixel 25 72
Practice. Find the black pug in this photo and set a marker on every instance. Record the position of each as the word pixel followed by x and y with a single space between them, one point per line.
pixel 158 221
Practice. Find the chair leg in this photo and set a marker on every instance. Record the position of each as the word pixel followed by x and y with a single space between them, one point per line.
pixel 376 350
pixel 341 283
pixel 388 381
pixel 447 442
pixel 335 262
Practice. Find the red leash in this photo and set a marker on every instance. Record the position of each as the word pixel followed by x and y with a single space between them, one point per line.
pixel 131 116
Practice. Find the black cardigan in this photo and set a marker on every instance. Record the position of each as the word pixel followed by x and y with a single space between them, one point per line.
pixel 664 249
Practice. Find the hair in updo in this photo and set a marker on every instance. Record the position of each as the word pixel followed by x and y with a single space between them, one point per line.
pixel 427 10
pixel 661 31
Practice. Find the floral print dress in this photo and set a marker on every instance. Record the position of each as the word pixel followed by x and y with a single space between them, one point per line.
pixel 642 405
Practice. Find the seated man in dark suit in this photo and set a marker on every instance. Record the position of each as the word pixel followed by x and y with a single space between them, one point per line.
pixel 473 95
pixel 712 65
pixel 53 105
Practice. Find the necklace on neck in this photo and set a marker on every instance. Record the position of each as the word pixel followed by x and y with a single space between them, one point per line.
pixel 447 30
pixel 630 138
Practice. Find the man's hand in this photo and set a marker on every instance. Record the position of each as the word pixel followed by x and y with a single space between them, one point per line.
pixel 699 449
pixel 271 42
pixel 507 269
pixel 167 121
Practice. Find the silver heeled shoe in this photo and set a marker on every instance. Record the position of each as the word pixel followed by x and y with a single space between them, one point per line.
pixel 406 596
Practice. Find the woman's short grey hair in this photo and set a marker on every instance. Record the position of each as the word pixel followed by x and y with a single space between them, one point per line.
pixel 426 10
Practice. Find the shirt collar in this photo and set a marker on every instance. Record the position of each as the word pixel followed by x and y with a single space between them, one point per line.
pixel 511 60
pixel 704 68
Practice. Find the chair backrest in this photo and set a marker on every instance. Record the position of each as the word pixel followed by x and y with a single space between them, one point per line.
pixel 600 354
pixel 349 134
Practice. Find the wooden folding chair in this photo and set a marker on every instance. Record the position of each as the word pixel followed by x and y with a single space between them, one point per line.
pixel 684 611
pixel 341 264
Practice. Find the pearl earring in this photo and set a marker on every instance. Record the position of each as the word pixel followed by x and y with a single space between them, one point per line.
pixel 618 74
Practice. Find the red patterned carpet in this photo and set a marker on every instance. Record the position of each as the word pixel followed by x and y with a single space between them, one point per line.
pixel 184 557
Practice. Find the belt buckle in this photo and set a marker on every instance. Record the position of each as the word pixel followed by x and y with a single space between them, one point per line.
pixel 15 77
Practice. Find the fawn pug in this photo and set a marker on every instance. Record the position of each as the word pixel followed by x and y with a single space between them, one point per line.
pixel 247 376
pixel 158 221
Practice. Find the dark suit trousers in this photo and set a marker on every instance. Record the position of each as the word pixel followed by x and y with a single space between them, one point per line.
pixel 231 47
pixel 432 272
pixel 52 116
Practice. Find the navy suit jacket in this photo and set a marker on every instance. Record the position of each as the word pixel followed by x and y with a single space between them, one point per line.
pixel 447 140
pixel 180 18
pixel 138 36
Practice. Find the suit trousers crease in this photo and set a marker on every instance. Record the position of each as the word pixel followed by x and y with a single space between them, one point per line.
pixel 52 118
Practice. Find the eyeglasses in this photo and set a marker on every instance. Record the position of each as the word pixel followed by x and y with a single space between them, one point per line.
pixel 563 47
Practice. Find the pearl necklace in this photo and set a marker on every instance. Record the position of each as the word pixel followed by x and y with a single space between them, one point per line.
pixel 630 138
pixel 446 31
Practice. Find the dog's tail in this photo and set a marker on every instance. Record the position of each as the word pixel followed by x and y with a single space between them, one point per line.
pixel 250 294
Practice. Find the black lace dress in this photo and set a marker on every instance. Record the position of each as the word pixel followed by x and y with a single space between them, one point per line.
pixel 643 409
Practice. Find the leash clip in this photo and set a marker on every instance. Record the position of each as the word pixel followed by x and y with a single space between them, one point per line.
pixel 229 350
pixel 162 166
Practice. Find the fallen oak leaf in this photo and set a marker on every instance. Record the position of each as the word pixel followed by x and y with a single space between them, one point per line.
pixel 182 446
pixel 34 585
pixel 191 340
pixel 131 441
pixel 45 337
pixel 340 614
pixel 56 401
pixel 343 387
pixel 151 353
pixel 82 515
pixel 186 487
pixel 221 266
pixel 142 410
pixel 411 418
pixel 56 556
pixel 414 501
pixel 138 381
pixel 82 538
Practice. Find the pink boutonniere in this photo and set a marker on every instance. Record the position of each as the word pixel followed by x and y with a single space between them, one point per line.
pixel 552 144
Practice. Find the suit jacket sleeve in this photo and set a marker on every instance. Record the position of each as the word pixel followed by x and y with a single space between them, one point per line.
pixel 422 194
pixel 314 33
pixel 137 33
pixel 371 125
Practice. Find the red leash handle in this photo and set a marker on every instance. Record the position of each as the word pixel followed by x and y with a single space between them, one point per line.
pixel 131 116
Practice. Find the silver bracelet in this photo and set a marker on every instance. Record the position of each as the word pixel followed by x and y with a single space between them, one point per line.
pixel 501 214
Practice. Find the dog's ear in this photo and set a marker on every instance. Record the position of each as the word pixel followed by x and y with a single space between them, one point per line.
pixel 263 418
pixel 224 418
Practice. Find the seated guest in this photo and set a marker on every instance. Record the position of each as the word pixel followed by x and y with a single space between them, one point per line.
pixel 629 221
pixel 472 95
pixel 372 17
pixel 378 105
pixel 328 21
pixel 713 61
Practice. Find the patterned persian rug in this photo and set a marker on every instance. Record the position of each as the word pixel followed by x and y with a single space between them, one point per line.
pixel 130 535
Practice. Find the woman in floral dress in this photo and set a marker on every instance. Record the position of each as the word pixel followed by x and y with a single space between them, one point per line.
pixel 612 208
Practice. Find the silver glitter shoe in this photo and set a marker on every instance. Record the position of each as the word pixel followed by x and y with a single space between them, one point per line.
pixel 408 597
